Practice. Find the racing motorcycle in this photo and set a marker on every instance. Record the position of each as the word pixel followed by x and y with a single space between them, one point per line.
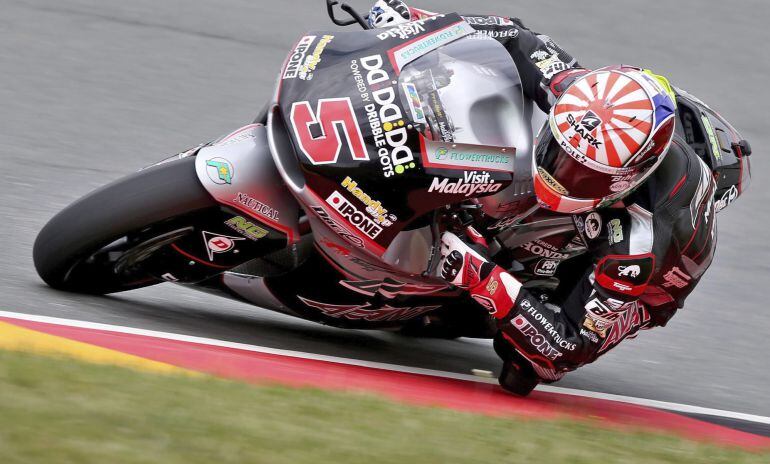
pixel 331 204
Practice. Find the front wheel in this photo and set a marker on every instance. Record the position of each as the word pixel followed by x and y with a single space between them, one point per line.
pixel 92 246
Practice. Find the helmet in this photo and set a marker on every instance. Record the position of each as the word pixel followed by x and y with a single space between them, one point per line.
pixel 604 136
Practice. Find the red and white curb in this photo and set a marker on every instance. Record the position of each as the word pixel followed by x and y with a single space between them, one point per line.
pixel 412 385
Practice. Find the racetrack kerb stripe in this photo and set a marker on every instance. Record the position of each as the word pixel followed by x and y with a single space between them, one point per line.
pixel 14 337
pixel 264 365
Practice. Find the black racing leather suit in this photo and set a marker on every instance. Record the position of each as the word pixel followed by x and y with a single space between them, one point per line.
pixel 620 269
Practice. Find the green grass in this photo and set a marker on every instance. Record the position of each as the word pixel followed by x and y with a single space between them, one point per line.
pixel 63 411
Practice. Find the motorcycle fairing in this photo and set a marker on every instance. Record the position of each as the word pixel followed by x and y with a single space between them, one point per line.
pixel 356 149
pixel 320 292
pixel 238 171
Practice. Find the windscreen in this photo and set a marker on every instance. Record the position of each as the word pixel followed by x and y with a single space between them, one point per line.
pixel 466 92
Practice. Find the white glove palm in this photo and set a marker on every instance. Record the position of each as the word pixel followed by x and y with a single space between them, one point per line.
pixel 460 265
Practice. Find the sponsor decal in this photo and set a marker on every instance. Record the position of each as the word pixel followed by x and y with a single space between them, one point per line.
pixel 415 104
pixel 590 121
pixel 338 229
pixel 218 244
pixel 593 225
pixel 505 34
pixel 627 274
pixel 367 312
pixel 551 65
pixel 374 208
pixel 339 249
pixel 311 62
pixel 631 320
pixel 580 226
pixel 544 249
pixel 404 31
pixel 712 136
pixel 391 288
pixel 240 135
pixel 582 130
pixel 445 131
pixel 492 286
pixel 536 339
pixel 256 206
pixel 246 228
pixel 632 271
pixel 646 150
pixel 727 198
pixel 361 86
pixel 169 277
pixel 703 197
pixel 473 183
pixel 589 335
pixel 359 220
pixel 425 44
pixel 298 56
pixel 220 171
pixel 548 327
pixel 621 183
pixel 621 286
pixel 621 186
pixel 615 231
pixel 676 278
pixel 600 315
pixel 489 21
pixel 551 182
pixel 386 120
pixel 546 267
pixel 462 156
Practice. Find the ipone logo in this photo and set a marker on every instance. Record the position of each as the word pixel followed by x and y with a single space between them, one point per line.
pixel 298 56
pixel 359 219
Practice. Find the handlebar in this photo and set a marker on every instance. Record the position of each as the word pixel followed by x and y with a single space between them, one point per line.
pixel 356 17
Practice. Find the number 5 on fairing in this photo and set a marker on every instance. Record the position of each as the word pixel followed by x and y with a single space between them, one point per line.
pixel 332 115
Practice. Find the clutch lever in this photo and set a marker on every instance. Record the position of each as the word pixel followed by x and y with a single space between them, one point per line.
pixel 356 18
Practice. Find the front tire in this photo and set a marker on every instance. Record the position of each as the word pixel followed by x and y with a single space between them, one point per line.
pixel 69 252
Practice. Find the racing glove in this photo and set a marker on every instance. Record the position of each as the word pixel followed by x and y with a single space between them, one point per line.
pixel 465 266
pixel 386 13
pixel 562 81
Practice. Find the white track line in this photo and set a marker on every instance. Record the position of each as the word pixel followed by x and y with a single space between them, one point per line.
pixel 676 407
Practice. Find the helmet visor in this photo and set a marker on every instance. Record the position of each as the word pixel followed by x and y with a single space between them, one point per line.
pixel 588 180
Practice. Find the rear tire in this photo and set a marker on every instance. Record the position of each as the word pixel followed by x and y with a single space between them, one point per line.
pixel 65 248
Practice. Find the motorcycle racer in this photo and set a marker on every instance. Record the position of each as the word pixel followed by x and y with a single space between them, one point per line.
pixel 628 165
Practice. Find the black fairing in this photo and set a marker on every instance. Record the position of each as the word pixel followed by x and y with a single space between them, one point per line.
pixel 718 144
pixel 371 168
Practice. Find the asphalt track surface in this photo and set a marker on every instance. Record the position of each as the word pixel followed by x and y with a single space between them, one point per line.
pixel 91 90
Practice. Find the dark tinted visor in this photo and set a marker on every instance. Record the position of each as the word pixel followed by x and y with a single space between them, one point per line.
pixel 574 179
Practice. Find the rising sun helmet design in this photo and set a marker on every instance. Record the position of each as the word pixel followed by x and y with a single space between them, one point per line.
pixel 604 136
